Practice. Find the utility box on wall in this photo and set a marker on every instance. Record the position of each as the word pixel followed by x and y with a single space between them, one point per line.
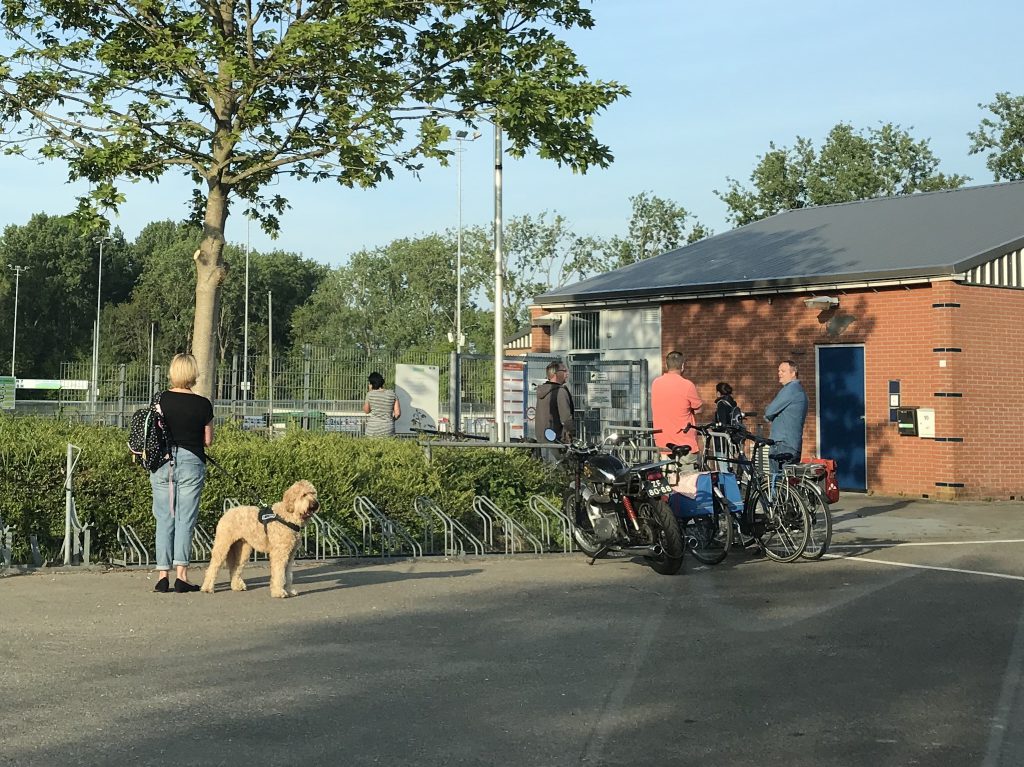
pixel 906 421
pixel 926 422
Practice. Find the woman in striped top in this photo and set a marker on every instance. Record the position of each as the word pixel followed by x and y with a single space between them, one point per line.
pixel 381 407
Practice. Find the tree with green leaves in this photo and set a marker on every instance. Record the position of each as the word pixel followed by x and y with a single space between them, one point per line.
pixel 656 226
pixel 161 296
pixel 236 94
pixel 395 298
pixel 57 295
pixel 1002 137
pixel 851 165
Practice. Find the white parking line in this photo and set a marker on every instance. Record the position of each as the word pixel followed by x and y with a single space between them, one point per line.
pixel 924 567
pixel 922 543
pixel 1005 741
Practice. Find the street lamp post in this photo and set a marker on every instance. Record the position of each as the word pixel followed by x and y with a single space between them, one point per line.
pixel 14 340
pixel 245 331
pixel 96 335
pixel 459 339
pixel 499 295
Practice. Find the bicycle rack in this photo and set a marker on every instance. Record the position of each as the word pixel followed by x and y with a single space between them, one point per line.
pixel 330 539
pixel 132 549
pixel 6 545
pixel 428 528
pixel 77 537
pixel 512 527
pixel 392 533
pixel 428 510
pixel 453 543
pixel 539 505
pixel 202 545
pixel 487 537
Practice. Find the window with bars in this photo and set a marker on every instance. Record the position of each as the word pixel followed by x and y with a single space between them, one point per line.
pixel 585 328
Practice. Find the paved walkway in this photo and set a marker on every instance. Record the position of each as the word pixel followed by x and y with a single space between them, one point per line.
pixel 890 653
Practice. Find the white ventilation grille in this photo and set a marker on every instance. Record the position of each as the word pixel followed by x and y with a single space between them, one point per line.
pixel 1003 272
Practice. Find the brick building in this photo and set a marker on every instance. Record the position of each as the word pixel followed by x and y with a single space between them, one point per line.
pixel 911 304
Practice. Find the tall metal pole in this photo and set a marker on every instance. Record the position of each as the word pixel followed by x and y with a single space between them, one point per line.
pixel 499 294
pixel 152 334
pixel 14 340
pixel 96 337
pixel 245 332
pixel 270 361
pixel 456 388
pixel 459 135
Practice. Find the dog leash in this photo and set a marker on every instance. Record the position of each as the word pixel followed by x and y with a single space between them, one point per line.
pixel 259 499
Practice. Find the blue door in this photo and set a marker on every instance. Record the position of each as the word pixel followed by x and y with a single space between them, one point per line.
pixel 841 414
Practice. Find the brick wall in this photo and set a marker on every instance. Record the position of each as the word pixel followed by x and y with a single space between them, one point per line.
pixel 741 340
pixel 989 373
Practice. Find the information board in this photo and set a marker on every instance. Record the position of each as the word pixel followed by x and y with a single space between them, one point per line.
pixel 7 384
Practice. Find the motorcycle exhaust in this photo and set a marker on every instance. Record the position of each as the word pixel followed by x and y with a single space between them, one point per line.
pixel 644 551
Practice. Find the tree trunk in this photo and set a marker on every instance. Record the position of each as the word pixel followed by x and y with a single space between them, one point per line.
pixel 210 273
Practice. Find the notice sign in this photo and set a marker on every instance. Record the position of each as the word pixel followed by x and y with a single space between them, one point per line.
pixel 599 395
pixel 343 423
pixel 7 384
pixel 513 395
pixel 252 422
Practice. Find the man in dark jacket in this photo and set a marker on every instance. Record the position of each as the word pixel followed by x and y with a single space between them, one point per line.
pixel 554 409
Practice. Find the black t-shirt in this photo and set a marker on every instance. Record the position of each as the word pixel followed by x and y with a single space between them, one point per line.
pixel 186 416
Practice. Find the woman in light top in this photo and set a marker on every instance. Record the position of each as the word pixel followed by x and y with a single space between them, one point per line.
pixel 381 407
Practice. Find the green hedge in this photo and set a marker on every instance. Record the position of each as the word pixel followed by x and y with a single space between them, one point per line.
pixel 110 490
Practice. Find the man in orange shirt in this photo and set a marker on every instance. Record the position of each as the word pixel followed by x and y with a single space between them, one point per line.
pixel 674 402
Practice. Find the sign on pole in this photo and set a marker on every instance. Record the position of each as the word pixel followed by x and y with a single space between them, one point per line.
pixel 7 384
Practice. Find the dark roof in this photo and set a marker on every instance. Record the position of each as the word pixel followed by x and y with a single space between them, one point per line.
pixel 933 234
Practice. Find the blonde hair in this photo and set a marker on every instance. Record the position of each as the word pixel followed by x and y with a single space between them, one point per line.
pixel 183 372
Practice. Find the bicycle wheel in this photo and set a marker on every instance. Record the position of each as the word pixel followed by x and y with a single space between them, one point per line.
pixel 709 536
pixel 821 521
pixel 787 523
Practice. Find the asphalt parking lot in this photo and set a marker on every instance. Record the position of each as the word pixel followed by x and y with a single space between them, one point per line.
pixel 905 647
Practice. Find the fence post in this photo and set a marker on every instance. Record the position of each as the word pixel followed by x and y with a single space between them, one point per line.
pixel 306 421
pixel 234 384
pixel 644 393
pixel 121 378
pixel 454 395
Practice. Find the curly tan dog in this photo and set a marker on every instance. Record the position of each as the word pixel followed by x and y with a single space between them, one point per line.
pixel 244 528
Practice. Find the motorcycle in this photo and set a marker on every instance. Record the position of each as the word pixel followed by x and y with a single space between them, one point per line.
pixel 619 508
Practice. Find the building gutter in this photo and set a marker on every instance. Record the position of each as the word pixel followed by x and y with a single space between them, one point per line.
pixel 612 302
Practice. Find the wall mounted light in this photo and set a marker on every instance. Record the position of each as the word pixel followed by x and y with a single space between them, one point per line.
pixel 821 302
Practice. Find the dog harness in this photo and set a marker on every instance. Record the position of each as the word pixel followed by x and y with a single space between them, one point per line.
pixel 266 515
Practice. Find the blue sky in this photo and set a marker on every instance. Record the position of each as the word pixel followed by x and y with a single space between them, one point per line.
pixel 712 84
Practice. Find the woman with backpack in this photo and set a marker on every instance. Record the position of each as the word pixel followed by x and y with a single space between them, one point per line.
pixel 725 406
pixel 727 413
pixel 188 421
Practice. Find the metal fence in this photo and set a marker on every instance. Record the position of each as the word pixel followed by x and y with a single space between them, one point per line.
pixel 317 388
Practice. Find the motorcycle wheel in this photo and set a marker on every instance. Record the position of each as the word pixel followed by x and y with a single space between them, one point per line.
pixel 584 539
pixel 666 532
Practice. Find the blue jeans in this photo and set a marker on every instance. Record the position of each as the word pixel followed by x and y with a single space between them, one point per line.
pixel 175 522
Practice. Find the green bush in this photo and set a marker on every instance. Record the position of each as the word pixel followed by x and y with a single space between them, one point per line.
pixel 109 490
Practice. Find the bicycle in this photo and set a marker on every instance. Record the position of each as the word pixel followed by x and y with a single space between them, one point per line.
pixel 706 520
pixel 633 444
pixel 773 513
pixel 807 477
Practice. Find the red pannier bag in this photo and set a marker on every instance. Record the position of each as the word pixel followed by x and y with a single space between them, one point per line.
pixel 831 486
